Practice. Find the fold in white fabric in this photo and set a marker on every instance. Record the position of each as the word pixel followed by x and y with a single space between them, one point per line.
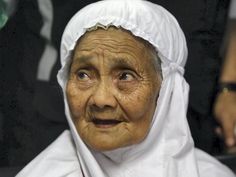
pixel 168 150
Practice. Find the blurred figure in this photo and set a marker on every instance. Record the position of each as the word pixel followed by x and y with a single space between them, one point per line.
pixel 225 105
pixel 3 14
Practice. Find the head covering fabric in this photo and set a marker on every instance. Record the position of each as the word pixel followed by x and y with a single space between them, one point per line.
pixel 168 150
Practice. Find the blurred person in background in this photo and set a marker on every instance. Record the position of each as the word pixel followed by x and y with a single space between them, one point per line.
pixel 225 104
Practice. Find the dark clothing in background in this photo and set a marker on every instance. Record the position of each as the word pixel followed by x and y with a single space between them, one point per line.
pixel 32 110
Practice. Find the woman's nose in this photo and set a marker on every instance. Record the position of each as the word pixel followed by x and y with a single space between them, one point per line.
pixel 103 96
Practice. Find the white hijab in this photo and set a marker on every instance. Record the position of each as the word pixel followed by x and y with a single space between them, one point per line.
pixel 168 150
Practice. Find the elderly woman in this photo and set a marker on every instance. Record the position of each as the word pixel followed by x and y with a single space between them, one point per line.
pixel 125 98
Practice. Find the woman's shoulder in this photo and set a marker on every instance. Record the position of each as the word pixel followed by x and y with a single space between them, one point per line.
pixel 209 166
pixel 58 159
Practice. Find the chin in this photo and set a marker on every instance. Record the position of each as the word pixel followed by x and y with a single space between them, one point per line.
pixel 101 146
pixel 105 145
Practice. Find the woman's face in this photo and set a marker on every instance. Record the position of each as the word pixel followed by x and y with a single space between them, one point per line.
pixel 112 89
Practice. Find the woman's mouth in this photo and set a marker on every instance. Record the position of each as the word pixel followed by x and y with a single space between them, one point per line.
pixel 105 123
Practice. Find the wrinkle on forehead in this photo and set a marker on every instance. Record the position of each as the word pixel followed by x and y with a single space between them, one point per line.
pixel 113 40
pixel 117 41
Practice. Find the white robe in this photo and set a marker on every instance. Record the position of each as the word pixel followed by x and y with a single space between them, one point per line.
pixel 60 160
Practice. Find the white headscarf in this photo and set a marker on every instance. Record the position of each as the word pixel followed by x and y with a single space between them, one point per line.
pixel 168 149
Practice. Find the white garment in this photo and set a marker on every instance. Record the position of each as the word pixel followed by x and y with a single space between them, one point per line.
pixel 49 56
pixel 168 149
pixel 232 10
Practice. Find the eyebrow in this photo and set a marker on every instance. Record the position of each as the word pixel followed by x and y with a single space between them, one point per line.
pixel 117 62
pixel 122 63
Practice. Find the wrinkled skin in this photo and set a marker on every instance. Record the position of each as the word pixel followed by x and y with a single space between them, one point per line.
pixel 112 88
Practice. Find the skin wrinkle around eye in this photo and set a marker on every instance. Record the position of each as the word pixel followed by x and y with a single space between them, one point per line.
pixel 119 63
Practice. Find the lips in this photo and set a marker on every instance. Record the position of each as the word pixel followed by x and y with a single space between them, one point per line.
pixel 105 123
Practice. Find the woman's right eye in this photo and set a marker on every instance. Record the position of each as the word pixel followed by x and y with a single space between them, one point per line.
pixel 83 76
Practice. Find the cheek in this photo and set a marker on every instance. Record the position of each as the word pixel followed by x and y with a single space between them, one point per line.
pixel 139 103
pixel 76 100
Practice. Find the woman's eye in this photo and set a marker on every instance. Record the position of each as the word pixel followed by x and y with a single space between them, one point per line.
pixel 82 76
pixel 126 76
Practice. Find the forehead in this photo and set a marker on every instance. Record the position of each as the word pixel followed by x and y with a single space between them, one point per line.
pixel 115 39
pixel 114 45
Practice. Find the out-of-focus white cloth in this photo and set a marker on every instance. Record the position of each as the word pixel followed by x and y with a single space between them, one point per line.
pixel 168 149
pixel 232 10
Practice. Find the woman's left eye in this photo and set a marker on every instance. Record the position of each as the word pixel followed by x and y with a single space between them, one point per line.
pixel 126 76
